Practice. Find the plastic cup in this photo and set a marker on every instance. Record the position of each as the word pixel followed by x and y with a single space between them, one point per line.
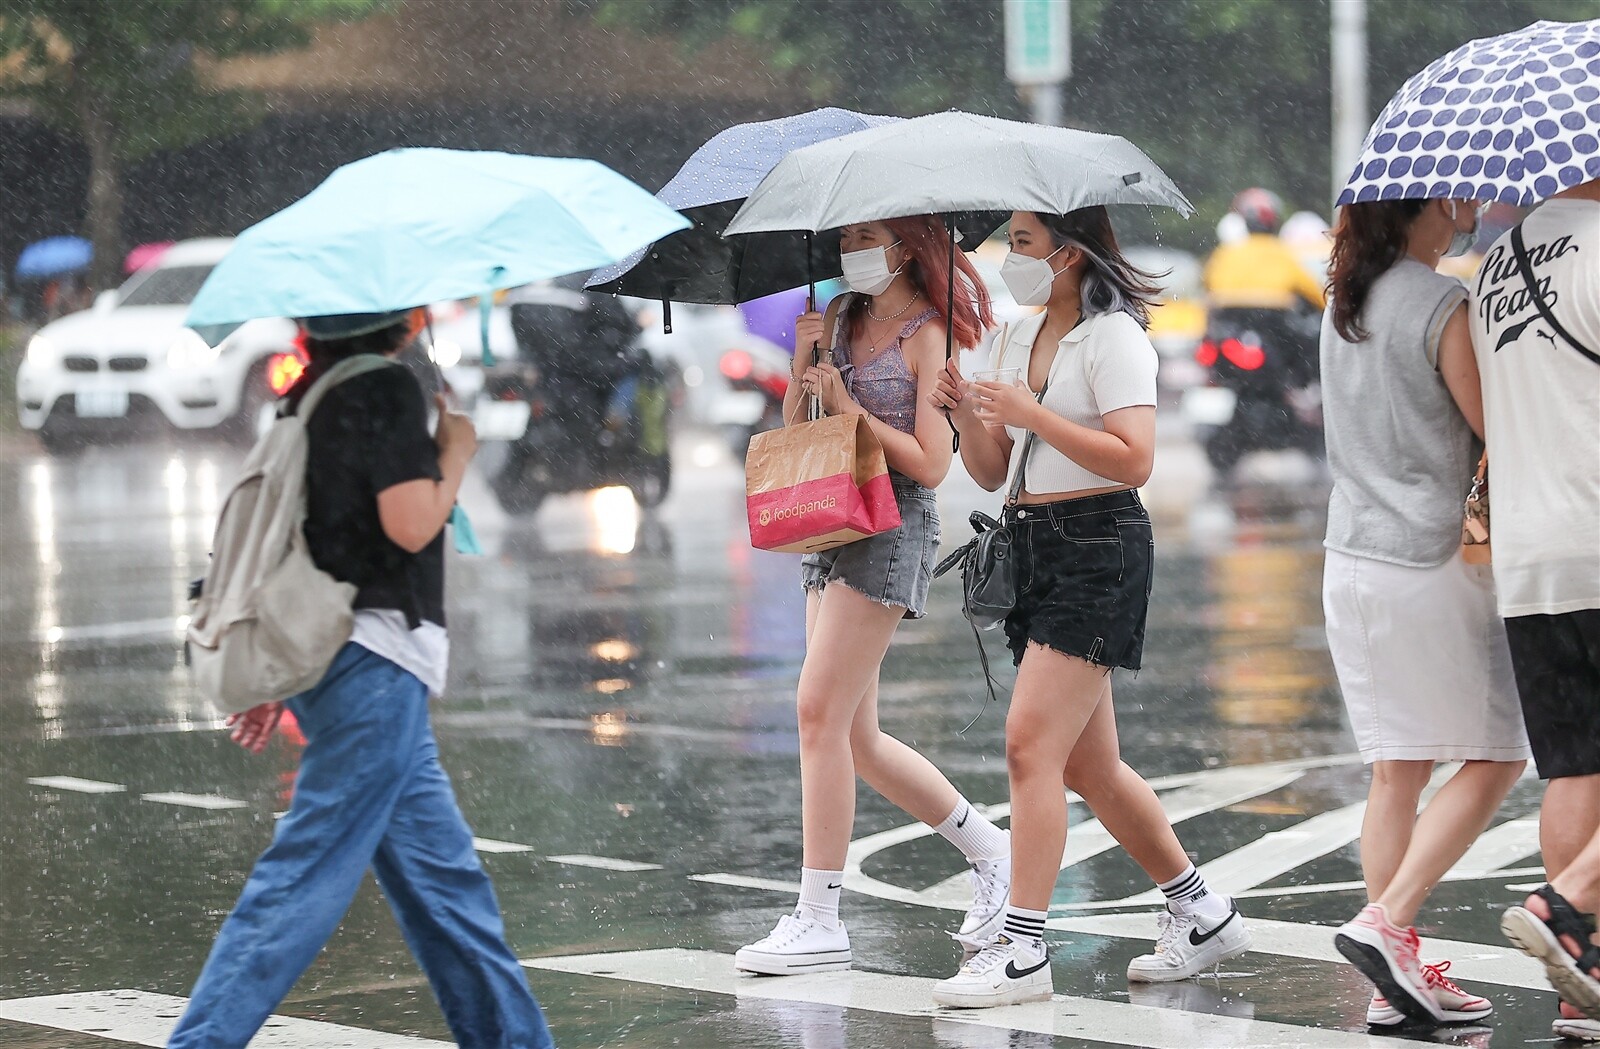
pixel 1004 376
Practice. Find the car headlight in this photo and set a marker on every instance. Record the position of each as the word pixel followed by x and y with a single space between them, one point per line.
pixel 446 353
pixel 189 351
pixel 40 350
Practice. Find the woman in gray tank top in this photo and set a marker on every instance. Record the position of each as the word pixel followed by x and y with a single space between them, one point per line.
pixel 1416 640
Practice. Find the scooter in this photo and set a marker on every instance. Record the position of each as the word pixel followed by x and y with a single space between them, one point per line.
pixel 1262 394
pixel 583 406
pixel 758 378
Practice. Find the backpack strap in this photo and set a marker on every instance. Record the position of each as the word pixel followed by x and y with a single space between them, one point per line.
pixel 346 369
pixel 1525 267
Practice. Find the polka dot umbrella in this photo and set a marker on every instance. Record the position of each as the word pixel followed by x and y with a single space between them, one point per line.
pixel 1512 118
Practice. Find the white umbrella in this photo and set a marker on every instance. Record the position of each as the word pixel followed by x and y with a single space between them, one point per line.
pixel 952 162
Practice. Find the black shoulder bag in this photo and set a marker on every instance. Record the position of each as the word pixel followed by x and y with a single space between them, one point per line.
pixel 989 567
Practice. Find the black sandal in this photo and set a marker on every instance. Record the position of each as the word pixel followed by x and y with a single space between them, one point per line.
pixel 1573 977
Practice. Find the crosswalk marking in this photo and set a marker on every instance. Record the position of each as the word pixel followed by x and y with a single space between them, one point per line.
pixel 742 881
pixel 73 783
pixel 1091 1019
pixel 1482 962
pixel 1499 847
pixel 497 847
pixel 195 801
pixel 144 1018
pixel 604 863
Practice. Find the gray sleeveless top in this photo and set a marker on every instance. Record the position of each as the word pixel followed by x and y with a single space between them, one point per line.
pixel 1401 453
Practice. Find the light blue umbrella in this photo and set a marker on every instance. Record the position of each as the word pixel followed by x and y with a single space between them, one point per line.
pixel 415 226
pixel 699 265
pixel 1513 118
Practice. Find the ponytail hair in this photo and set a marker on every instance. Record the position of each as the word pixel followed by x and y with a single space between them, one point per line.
pixel 1110 283
pixel 1367 239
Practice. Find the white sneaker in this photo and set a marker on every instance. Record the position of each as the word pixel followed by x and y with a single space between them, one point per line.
pixel 1187 945
pixel 1381 1014
pixel 797 944
pixel 1584 1030
pixel 1003 973
pixel 991 886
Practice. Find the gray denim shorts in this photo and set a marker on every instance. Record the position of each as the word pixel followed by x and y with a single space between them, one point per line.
pixel 892 568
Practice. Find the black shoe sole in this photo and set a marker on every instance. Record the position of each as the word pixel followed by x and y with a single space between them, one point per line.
pixel 1371 962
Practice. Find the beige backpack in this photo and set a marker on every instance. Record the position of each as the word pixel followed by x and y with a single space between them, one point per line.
pixel 269 622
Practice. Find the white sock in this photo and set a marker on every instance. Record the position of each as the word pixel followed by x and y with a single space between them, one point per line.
pixel 1026 927
pixel 970 831
pixel 1188 893
pixel 819 895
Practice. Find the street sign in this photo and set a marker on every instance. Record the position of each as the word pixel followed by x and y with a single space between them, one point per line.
pixel 1038 41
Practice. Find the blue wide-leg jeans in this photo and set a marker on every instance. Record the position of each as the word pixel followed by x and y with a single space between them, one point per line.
pixel 370 793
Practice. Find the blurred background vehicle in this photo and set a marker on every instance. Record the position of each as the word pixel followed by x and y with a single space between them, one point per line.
pixel 580 404
pixel 128 360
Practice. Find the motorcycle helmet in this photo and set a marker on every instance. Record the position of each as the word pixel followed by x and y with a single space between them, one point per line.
pixel 1261 209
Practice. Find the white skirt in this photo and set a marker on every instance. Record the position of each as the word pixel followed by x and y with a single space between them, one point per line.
pixel 1422 660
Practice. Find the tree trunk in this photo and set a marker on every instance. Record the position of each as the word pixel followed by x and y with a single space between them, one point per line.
pixel 105 193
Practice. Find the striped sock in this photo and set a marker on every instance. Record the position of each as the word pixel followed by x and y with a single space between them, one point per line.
pixel 1188 893
pixel 1025 926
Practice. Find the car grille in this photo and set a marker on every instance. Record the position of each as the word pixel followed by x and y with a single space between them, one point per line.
pixel 80 364
pixel 128 364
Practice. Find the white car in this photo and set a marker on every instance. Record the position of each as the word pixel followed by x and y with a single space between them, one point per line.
pixel 130 357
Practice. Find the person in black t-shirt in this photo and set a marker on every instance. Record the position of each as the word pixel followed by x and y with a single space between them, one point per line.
pixel 370 791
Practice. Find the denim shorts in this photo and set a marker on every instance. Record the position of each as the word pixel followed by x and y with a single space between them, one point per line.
pixel 1084 568
pixel 893 568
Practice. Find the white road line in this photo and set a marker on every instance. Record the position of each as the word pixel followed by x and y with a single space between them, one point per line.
pixel 742 882
pixel 1090 838
pixel 604 863
pixel 143 1018
pixel 1114 1023
pixel 497 847
pixel 139 628
pixel 1351 886
pixel 1482 962
pixel 82 786
pixel 1499 847
pixel 195 801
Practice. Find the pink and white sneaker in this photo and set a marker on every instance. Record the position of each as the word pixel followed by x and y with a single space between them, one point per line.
pixel 1387 955
pixel 1381 1014
pixel 1457 1005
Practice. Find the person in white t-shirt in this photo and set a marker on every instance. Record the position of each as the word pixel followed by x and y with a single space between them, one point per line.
pixel 1536 336
pixel 1076 452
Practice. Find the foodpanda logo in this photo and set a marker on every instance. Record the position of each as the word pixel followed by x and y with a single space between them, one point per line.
pixel 766 516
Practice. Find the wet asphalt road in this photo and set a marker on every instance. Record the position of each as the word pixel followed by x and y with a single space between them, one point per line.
pixel 622 690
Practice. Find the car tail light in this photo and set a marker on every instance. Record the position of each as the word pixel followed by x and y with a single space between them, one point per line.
pixel 1207 353
pixel 1247 356
pixel 536 409
pixel 736 365
pixel 283 371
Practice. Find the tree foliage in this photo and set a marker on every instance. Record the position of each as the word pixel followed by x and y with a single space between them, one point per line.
pixel 1222 93
pixel 124 75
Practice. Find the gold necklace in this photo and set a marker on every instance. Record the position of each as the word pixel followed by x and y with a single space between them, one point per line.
pixel 894 316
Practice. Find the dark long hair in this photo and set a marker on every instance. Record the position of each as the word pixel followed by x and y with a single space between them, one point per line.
pixel 325 353
pixel 927 246
pixel 1367 239
pixel 1110 283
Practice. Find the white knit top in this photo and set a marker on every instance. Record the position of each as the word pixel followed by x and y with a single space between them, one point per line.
pixel 1105 363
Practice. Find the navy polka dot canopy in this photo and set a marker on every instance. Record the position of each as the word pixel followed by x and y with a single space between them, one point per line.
pixel 1512 118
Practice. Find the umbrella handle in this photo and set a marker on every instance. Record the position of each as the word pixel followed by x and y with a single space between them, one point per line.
pixel 949 325
pixel 811 296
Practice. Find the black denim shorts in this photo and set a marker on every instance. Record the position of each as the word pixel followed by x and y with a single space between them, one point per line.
pixel 1084 568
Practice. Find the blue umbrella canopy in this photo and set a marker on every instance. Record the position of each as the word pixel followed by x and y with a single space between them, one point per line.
pixel 1512 118
pixel 698 265
pixel 53 258
pixel 415 226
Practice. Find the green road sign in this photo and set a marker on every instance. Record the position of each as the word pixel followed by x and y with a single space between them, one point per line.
pixel 1038 41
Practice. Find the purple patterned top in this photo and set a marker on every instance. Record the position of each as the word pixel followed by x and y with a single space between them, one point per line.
pixel 884 386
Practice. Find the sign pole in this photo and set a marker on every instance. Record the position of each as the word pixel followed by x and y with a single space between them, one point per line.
pixel 1039 53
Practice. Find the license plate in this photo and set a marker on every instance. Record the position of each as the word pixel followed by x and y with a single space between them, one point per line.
pixel 1209 405
pixel 101 404
pixel 501 420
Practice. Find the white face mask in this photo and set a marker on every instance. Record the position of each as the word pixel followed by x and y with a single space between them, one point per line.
pixel 1463 240
pixel 867 271
pixel 1029 279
